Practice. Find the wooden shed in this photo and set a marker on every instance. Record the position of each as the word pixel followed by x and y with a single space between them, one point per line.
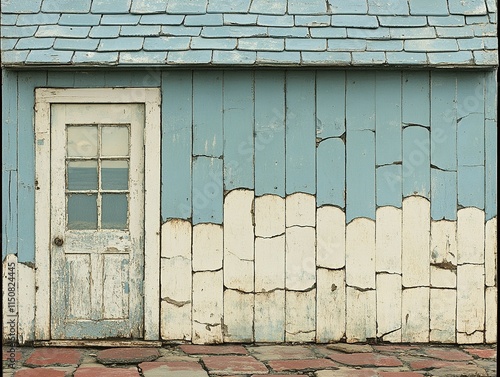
pixel 217 171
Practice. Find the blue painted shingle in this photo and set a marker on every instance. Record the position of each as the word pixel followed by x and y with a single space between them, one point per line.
pixel 326 57
pixel 261 44
pixel 33 43
pixel 424 45
pixel 307 6
pixel 278 57
pixel 399 21
pixel 388 7
pixel 18 31
pixel 14 56
pixel 233 31
pixel 140 30
pixel 187 6
pixel 69 44
pixel 111 6
pixel 288 32
pixel 120 19
pixel 8 43
pixel 301 44
pixel 391 45
pixel 348 7
pixel 189 57
pixel 429 7
pixel 489 30
pixel 406 58
pixel 79 19
pixel 413 33
pixel 454 32
pixel 234 57
pixel 313 21
pixel 454 20
pixel 346 45
pixel 470 44
pixel 240 19
pixel 52 56
pixel 368 57
pixel 268 20
pixel 95 57
pixel 181 30
pixel 166 43
pixel 162 19
pixel 63 31
pixel 355 21
pixel 477 19
pixel 38 19
pixel 204 20
pixel 328 32
pixel 148 6
pixel 200 43
pixel 104 32
pixel 121 44
pixel 143 57
pixel 8 19
pixel 21 6
pixel 490 43
pixel 489 58
pixel 224 6
pixel 460 57
pixel 65 6
pixel 380 33
pixel 467 7
pixel 268 6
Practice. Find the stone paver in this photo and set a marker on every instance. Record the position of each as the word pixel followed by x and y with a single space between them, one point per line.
pixel 106 372
pixel 54 356
pixel 213 350
pixel 127 355
pixel 40 372
pixel 347 372
pixel 400 374
pixel 225 365
pixel 281 352
pixel 305 364
pixel 459 371
pixel 350 348
pixel 425 364
pixel 448 354
pixel 365 359
pixel 172 369
pixel 482 353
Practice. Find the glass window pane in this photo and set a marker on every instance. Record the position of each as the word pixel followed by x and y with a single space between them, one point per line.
pixel 114 141
pixel 82 175
pixel 114 210
pixel 82 211
pixel 114 175
pixel 82 141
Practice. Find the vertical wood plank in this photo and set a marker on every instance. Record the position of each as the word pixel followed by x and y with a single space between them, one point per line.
pixel 444 120
pixel 416 101
pixel 388 240
pixel 389 307
pixel 176 239
pixel 471 186
pixel 330 174
pixel 388 117
pixel 269 215
pixel 361 314
pixel 443 255
pixel 443 194
pixel 176 145
pixel 442 317
pixel 300 258
pixel 208 309
pixel 89 79
pixel 269 133
pixel 360 254
pixel 490 168
pixel 470 303
pixel 416 242
pixel 360 174
pixel 330 237
pixel 26 170
pixel 415 315
pixel 300 210
pixel 300 316
pixel 60 79
pixel 208 247
pixel 238 129
pixel 416 161
pixel 134 79
pixel 389 185
pixel 207 190
pixel 360 101
pixel 239 240
pixel 491 321
pixel 330 104
pixel 269 323
pixel 300 132
pixel 269 263
pixel 470 139
pixel 330 305
pixel 470 236
pixel 9 213
pixel 238 316
pixel 207 113
pixel 490 252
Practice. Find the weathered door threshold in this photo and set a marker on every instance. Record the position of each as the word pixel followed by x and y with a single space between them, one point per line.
pixel 97 343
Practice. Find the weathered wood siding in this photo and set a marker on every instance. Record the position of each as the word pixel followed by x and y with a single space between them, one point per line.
pixel 302 205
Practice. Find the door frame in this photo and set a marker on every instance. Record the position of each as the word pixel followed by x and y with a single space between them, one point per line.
pixel 151 99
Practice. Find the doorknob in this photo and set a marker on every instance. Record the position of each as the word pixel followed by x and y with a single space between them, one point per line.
pixel 58 241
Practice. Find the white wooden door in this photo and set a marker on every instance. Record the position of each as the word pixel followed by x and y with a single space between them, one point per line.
pixel 97 221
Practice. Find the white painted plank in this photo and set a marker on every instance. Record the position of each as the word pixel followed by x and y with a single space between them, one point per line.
pixel 470 300
pixel 443 277
pixel 360 315
pixel 238 316
pixel 388 239
pixel 269 215
pixel 239 240
pixel 442 315
pixel 176 239
pixel 490 252
pixel 389 307
pixel 444 242
pixel 416 242
pixel 415 315
pixel 330 237
pixel 26 297
pixel 207 307
pixel 360 253
pixel 491 315
pixel 176 279
pixel 330 305
pixel 300 258
pixel 475 338
pixel 269 263
pixel 300 210
pixel 300 317
pixel 175 321
pixel 270 316
pixel 470 235
pixel 10 280
pixel 207 247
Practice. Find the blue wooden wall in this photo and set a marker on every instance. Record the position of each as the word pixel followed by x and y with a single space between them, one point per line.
pixel 356 139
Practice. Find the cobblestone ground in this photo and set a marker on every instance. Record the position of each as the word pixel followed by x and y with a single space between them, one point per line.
pixel 332 360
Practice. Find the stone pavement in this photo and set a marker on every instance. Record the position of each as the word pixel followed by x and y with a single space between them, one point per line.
pixel 313 360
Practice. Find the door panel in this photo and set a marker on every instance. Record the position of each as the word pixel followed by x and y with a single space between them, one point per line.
pixel 97 214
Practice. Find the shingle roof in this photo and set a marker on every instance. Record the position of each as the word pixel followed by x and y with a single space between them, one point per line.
pixel 422 33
